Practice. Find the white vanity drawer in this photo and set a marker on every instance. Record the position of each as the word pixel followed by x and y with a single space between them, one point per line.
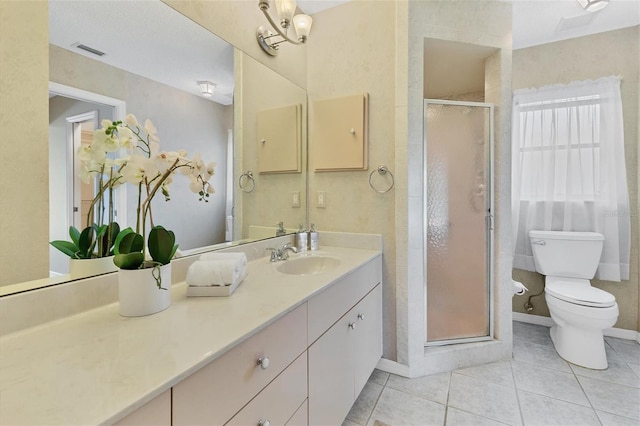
pixel 219 390
pixel 278 402
pixel 327 307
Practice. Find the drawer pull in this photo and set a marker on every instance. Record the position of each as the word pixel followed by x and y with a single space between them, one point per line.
pixel 361 316
pixel 264 364
pixel 264 422
pixel 352 325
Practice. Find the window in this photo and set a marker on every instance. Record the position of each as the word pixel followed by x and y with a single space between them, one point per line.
pixel 568 170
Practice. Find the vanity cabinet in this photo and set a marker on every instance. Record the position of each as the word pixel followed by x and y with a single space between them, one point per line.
pixel 320 356
pixel 215 393
pixel 343 358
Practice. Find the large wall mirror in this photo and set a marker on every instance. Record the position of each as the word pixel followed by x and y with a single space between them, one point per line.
pixel 153 72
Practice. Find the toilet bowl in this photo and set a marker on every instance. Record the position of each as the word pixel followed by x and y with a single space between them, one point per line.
pixel 579 311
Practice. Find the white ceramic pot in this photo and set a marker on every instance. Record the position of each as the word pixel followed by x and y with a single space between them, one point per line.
pixel 82 268
pixel 138 291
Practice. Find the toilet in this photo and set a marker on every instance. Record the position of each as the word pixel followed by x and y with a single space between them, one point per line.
pixel 579 311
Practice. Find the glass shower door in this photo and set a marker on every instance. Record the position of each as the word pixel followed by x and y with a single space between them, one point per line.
pixel 459 221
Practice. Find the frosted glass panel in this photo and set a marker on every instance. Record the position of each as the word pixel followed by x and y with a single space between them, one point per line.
pixel 457 139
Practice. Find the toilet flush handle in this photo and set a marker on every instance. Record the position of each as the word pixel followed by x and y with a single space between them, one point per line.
pixel 539 242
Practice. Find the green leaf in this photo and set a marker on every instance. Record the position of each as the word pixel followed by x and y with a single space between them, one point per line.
pixel 128 241
pixel 129 260
pixel 86 242
pixel 65 247
pixel 161 244
pixel 75 235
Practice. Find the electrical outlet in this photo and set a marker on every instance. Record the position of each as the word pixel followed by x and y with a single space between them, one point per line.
pixel 322 199
pixel 295 199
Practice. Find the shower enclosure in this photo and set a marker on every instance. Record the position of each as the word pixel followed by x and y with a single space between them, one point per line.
pixel 458 221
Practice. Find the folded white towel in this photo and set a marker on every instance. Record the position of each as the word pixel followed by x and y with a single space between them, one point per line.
pixel 238 257
pixel 203 273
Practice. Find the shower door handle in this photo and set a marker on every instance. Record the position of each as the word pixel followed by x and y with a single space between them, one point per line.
pixel 489 220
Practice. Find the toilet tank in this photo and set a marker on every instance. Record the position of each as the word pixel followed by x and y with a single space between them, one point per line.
pixel 566 254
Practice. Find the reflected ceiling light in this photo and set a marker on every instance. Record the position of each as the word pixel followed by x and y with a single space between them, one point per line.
pixel 206 88
pixel 286 15
pixel 593 5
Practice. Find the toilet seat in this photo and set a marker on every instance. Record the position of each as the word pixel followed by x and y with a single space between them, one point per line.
pixel 578 292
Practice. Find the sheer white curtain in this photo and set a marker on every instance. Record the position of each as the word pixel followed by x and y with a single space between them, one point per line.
pixel 568 169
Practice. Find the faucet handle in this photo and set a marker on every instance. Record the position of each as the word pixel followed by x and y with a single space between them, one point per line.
pixel 274 254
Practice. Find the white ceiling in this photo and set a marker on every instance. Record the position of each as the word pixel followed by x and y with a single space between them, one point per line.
pixel 542 21
pixel 133 35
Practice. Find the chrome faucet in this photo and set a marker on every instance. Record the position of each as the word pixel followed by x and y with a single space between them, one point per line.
pixel 280 230
pixel 281 253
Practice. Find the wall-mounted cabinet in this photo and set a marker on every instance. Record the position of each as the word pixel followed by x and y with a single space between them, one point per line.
pixel 339 133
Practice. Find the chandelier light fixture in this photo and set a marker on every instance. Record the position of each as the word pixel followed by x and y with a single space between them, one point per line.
pixel 270 41
pixel 593 5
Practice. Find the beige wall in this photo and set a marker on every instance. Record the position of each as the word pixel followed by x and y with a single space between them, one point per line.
pixel 604 54
pixel 24 118
pixel 356 59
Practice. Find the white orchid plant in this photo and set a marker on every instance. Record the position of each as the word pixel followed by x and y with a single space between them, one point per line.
pixel 141 163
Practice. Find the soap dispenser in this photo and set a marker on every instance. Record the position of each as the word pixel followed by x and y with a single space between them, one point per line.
pixel 301 239
pixel 314 238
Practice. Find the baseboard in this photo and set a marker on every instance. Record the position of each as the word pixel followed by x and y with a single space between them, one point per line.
pixel 620 333
pixel 393 367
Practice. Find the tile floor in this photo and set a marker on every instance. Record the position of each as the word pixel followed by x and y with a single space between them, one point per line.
pixel 536 387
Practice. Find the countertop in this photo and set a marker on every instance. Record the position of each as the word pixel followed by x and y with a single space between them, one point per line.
pixel 97 367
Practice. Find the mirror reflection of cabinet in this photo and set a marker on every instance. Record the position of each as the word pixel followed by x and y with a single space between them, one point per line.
pixel 279 133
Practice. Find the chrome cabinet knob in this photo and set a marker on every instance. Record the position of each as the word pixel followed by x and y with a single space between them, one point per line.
pixel 263 362
pixel 352 325
pixel 361 316
pixel 264 422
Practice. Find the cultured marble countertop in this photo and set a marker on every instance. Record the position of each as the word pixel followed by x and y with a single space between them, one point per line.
pixel 97 367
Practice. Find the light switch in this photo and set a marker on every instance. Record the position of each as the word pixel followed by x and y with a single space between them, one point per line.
pixel 295 199
pixel 322 199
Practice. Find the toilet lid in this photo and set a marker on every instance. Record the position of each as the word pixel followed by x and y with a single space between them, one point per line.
pixel 580 294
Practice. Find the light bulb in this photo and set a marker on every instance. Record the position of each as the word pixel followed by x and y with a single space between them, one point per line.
pixel 302 24
pixel 285 9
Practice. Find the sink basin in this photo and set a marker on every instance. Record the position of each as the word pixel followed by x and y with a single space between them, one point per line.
pixel 308 265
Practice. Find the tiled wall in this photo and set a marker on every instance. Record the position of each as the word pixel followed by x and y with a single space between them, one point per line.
pixel 584 58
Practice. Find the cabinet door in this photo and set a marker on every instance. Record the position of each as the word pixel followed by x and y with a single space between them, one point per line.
pixel 331 375
pixel 156 412
pixel 301 417
pixel 368 337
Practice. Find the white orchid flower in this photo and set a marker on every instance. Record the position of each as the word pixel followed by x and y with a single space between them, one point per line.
pixel 195 186
pixel 106 123
pixel 138 168
pixel 127 139
pixel 151 131
pixel 210 189
pixel 131 120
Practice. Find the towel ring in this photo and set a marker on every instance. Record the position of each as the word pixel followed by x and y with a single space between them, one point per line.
pixel 383 170
pixel 248 181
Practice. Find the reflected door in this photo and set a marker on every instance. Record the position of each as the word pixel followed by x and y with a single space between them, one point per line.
pixel 458 218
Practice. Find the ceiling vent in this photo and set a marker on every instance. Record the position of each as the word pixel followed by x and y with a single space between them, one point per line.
pixel 88 49
pixel 567 24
